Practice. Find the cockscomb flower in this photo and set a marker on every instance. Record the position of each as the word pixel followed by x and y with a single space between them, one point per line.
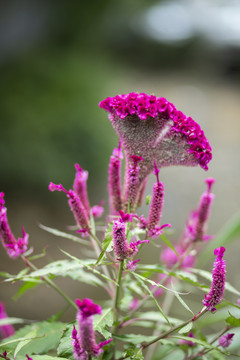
pixel 5 330
pixel 132 183
pixel 218 284
pixel 80 187
pixel 226 340
pixel 156 207
pixel 13 247
pixel 83 340
pixel 122 249
pixel 114 181
pixel 76 207
pixel 154 129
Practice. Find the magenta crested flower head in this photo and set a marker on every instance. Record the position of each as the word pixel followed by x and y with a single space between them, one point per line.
pixel 218 284
pixel 226 340
pixel 83 341
pixel 13 247
pixel 154 129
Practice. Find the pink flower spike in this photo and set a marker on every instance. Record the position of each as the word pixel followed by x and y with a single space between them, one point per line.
pixel 203 212
pixel 157 202
pixel 80 186
pixel 84 343
pixel 218 284
pixel 134 244
pixel 54 187
pixel 114 181
pixel 13 247
pixel 5 330
pixel 131 187
pixel 104 343
pixel 226 340
pixel 120 244
pixel 157 231
pixel 28 357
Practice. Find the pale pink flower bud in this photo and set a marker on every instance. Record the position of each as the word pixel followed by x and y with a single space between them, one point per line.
pixel 226 340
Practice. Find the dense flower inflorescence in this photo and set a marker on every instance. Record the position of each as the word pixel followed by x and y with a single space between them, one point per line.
pixel 226 340
pixel 80 187
pixel 156 207
pixel 83 340
pixel 76 206
pixel 114 181
pixel 13 247
pixel 218 284
pixel 147 107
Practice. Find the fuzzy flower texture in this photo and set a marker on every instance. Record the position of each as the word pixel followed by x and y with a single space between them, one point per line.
pixel 218 284
pixel 83 340
pixel 150 130
pixel 14 247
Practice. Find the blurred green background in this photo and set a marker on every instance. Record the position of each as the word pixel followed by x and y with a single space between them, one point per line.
pixel 58 59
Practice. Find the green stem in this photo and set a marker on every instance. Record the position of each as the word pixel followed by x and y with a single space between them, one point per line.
pixel 117 296
pixel 175 328
pixel 51 283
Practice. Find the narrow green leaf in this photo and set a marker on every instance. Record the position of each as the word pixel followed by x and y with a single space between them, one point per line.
pixel 11 320
pixel 25 287
pixel 151 295
pixel 46 357
pixel 64 235
pixel 90 268
pixel 108 237
pixel 168 243
pixel 134 338
pixel 183 303
pixel 186 328
pixel 157 317
pixel 154 283
pixel 100 258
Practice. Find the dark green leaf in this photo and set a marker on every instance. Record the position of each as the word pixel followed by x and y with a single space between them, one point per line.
pixel 101 322
pixel 133 352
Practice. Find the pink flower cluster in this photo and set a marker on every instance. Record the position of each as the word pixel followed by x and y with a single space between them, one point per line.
pixel 218 284
pixel 13 246
pixel 83 340
pixel 146 106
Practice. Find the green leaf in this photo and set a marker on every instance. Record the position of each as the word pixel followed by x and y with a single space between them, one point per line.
pixel 134 338
pixel 64 235
pixel 25 287
pixel 73 269
pixel 186 328
pixel 227 234
pixel 90 268
pixel 148 199
pixel 151 295
pixel 168 243
pixel 108 238
pixel 233 321
pixel 133 352
pixel 47 337
pixel 157 316
pixel 22 343
pixel 183 303
pixel 101 322
pixel 65 348
pixel 11 320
